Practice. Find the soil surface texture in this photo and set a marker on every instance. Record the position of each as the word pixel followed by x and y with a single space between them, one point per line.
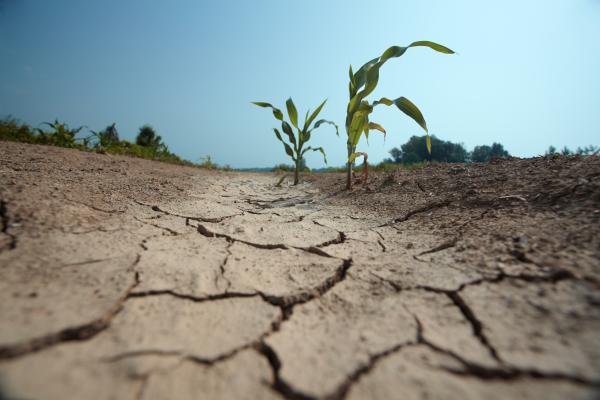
pixel 124 278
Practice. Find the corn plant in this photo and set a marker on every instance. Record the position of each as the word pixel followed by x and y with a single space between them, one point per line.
pixel 60 135
pixel 362 84
pixel 105 138
pixel 295 148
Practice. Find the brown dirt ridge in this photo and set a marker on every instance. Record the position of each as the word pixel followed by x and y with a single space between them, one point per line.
pixel 124 278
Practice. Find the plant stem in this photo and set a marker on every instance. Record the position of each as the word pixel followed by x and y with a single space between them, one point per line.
pixel 297 172
pixel 349 169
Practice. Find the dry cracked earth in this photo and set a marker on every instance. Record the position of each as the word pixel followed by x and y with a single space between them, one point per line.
pixel 129 279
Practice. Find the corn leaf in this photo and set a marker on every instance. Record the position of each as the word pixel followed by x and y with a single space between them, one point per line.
pixel 383 100
pixel 361 75
pixel 289 132
pixel 324 121
pixel 354 155
pixel 428 143
pixel 376 126
pixel 292 112
pixel 408 108
pixel 433 46
pixel 320 149
pixel 359 120
pixel 276 112
pixel 287 147
pixel 314 115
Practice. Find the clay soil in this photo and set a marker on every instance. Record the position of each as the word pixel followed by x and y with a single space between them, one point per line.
pixel 123 278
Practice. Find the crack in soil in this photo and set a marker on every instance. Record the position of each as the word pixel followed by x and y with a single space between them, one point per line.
pixel 311 249
pixel 199 219
pixel 505 372
pixel 279 385
pixel 164 228
pixel 427 207
pixel 476 324
pixel 196 299
pixel 222 269
pixel 77 333
pixel 95 208
pixel 342 390
pixel 5 221
pixel 443 246
pixel 316 292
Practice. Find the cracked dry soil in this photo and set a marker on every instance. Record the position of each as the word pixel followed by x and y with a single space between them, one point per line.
pixel 129 279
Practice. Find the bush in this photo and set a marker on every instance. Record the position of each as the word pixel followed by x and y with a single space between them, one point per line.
pixel 11 129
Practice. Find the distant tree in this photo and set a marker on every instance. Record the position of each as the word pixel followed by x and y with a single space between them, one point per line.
pixel 566 151
pixel 147 137
pixel 415 150
pixel 485 153
pixel 551 150
pixel 396 154
pixel 587 150
pixel 498 151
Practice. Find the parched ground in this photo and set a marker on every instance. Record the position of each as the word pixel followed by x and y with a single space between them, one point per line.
pixel 123 278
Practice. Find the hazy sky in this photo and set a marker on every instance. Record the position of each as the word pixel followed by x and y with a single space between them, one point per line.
pixel 527 73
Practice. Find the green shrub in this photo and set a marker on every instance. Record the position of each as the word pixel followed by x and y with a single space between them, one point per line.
pixel 11 129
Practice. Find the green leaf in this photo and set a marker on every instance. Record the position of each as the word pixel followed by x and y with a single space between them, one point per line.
pixel 392 52
pixel 352 84
pixel 286 146
pixel 408 108
pixel 320 149
pixel 376 126
pixel 359 120
pixel 361 75
pixel 278 135
pixel 276 112
pixel 306 137
pixel 292 112
pixel 289 132
pixel 433 46
pixel 383 100
pixel 372 80
pixel 289 151
pixel 324 121
pixel 428 143
pixel 314 115
pixel 354 155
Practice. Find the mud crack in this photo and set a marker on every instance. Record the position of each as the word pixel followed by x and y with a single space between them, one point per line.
pixel 268 246
pixel 476 324
pixel 77 333
pixel 279 385
pixel 5 224
pixel 427 207
pixel 187 217
pixel 504 372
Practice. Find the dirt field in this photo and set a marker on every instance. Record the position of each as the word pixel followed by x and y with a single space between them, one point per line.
pixel 124 278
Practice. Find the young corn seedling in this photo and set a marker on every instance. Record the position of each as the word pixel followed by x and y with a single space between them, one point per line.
pixel 60 135
pixel 295 148
pixel 362 84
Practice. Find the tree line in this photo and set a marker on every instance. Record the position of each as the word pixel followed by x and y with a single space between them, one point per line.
pixel 414 151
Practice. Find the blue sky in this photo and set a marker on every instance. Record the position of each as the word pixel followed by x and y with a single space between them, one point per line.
pixel 527 73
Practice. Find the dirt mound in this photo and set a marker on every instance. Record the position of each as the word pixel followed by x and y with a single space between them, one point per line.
pixel 125 278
